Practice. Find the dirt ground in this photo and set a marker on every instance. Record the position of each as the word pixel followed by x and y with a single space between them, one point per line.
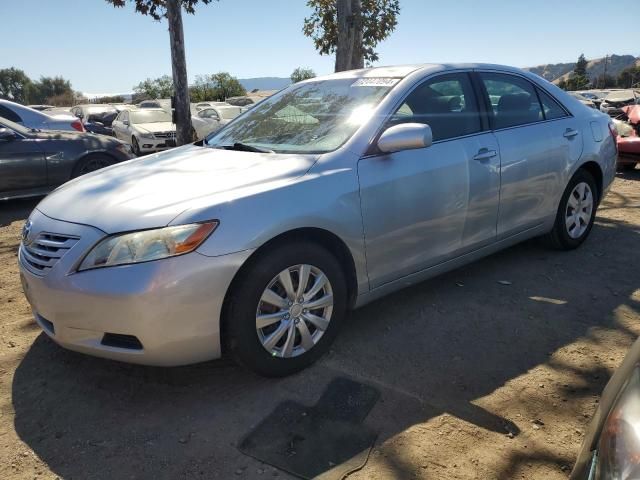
pixel 478 379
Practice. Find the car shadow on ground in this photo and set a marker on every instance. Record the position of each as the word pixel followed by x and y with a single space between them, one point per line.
pixel 439 347
pixel 16 210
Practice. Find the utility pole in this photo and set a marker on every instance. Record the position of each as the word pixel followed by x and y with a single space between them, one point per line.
pixel 604 75
pixel 182 104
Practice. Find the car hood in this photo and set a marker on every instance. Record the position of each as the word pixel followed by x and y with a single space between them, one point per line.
pixel 151 191
pixel 156 126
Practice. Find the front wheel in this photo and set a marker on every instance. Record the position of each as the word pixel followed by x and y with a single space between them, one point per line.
pixel 135 146
pixel 285 309
pixel 91 163
pixel 576 212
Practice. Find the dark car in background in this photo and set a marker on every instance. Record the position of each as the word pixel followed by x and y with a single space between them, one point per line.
pixel 96 118
pixel 34 162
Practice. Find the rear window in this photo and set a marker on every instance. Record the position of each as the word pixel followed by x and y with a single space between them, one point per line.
pixel 513 100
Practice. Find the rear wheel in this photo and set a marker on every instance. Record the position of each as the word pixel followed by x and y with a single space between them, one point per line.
pixel 91 163
pixel 285 309
pixel 576 212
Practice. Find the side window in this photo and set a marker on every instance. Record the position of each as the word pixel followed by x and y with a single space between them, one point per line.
pixel 551 108
pixel 9 114
pixel 513 100
pixel 446 103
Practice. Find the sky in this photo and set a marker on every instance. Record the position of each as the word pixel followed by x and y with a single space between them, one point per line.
pixel 108 50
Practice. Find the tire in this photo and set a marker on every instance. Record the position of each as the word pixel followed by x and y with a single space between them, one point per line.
pixel 135 146
pixel 570 230
pixel 261 348
pixel 91 163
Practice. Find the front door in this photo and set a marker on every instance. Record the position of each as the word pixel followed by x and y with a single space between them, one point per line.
pixel 425 206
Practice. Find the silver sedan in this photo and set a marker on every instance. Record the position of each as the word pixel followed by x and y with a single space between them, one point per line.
pixel 332 193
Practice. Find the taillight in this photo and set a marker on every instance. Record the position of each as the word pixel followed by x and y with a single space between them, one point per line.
pixel 77 125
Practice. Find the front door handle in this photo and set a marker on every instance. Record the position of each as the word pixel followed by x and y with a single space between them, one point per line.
pixel 485 154
pixel 570 133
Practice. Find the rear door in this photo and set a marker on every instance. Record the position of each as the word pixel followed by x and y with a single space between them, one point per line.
pixel 22 165
pixel 423 207
pixel 536 145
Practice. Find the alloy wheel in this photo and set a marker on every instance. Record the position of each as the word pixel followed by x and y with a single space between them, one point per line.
pixel 579 210
pixel 294 311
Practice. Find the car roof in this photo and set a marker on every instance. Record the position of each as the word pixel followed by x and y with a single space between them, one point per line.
pixel 402 71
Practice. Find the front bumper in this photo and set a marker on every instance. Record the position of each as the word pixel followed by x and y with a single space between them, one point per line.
pixel 172 307
pixel 148 145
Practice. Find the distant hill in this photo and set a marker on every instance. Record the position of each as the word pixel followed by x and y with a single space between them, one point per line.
pixel 264 83
pixel 595 68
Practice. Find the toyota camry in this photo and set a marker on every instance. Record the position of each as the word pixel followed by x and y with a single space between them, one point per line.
pixel 332 193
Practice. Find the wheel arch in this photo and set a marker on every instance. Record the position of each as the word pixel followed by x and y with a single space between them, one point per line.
pixel 82 158
pixel 596 172
pixel 329 240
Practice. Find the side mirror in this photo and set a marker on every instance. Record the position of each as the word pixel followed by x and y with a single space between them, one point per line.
pixel 79 115
pixel 126 122
pixel 406 136
pixel 7 135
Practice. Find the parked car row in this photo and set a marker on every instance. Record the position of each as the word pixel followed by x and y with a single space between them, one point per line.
pixel 33 162
pixel 609 101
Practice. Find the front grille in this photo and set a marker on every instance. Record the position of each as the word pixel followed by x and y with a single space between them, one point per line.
pixel 41 255
pixel 165 135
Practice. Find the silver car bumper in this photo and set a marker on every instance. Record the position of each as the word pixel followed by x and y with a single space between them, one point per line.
pixel 164 312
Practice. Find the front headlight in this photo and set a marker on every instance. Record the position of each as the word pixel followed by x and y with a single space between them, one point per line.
pixel 618 454
pixel 146 135
pixel 146 245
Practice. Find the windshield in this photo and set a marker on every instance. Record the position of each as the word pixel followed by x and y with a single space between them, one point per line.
pixel 149 116
pixel 314 117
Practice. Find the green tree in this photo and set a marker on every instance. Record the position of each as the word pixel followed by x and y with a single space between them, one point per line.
pixel 578 80
pixel 49 87
pixel 154 88
pixel 629 78
pixel 15 85
pixel 581 66
pixel 350 28
pixel 172 11
pixel 111 99
pixel 226 85
pixel 202 89
pixel 301 73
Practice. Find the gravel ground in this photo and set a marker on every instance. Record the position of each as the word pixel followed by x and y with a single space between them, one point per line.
pixel 479 378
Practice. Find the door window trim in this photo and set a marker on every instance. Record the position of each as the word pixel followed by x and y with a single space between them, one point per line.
pixel 476 77
pixel 372 150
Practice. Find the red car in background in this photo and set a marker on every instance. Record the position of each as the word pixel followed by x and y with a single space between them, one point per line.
pixel 628 128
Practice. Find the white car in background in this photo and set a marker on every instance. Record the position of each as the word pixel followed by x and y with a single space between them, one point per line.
pixel 31 118
pixel 211 119
pixel 146 129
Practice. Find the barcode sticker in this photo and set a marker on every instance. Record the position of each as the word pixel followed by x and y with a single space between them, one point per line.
pixel 375 82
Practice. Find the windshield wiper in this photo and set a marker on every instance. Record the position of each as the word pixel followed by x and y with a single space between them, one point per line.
pixel 244 147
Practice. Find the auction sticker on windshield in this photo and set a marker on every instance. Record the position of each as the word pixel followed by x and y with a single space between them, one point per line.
pixel 375 82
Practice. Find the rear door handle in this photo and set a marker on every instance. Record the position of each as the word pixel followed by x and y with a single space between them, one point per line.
pixel 569 133
pixel 485 154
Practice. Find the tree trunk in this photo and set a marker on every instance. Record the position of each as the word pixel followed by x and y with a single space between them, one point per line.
pixel 357 51
pixel 179 69
pixel 344 45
